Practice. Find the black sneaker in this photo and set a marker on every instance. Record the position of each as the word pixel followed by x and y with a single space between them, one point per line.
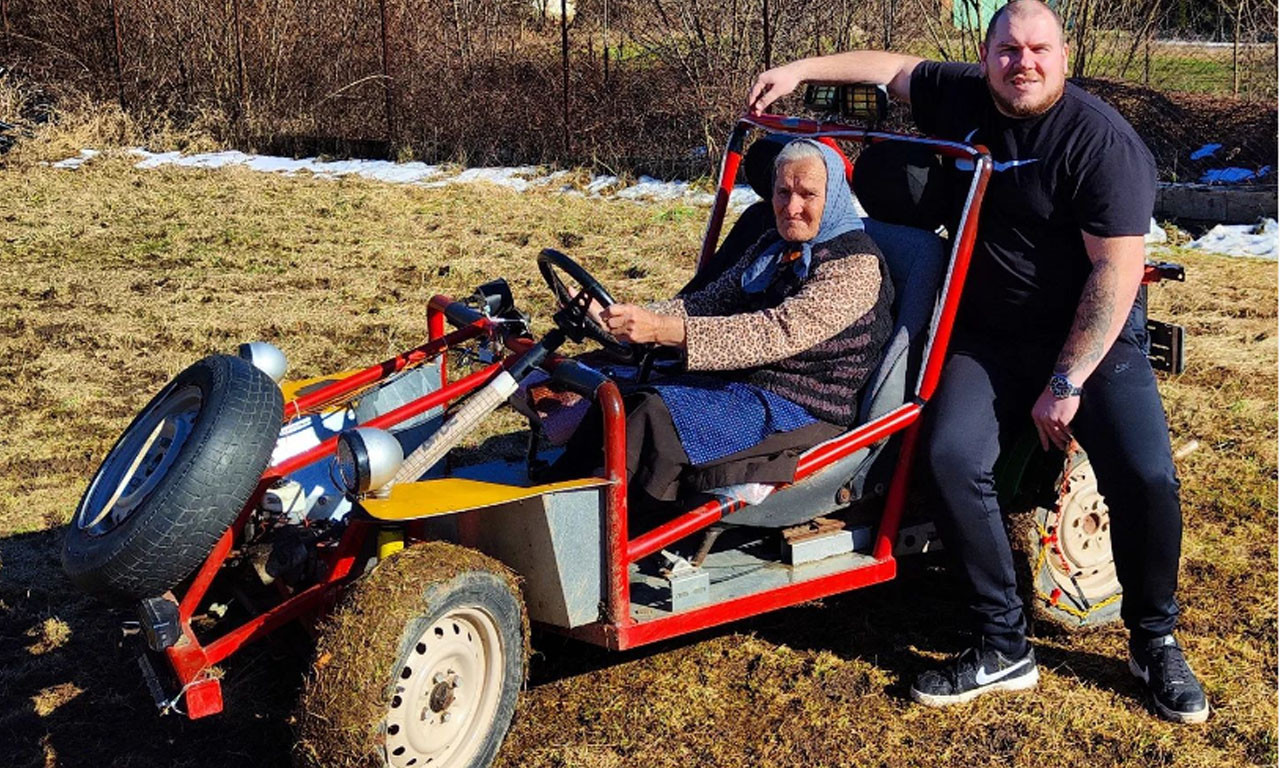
pixel 973 673
pixel 1173 686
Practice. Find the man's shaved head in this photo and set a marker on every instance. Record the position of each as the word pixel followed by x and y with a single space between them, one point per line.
pixel 1024 58
pixel 1016 8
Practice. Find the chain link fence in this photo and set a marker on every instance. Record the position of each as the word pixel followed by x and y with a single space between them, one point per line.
pixel 648 86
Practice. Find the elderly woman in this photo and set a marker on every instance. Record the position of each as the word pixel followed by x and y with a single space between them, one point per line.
pixel 776 349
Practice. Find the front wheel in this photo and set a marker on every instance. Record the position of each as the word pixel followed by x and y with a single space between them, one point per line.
pixel 421 664
pixel 1064 541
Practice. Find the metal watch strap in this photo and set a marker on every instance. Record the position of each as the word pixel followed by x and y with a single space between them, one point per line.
pixel 1062 388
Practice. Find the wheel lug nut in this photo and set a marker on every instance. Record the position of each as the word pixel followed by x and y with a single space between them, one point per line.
pixel 438 678
pixel 444 718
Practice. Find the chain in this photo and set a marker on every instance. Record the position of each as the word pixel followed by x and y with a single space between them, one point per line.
pixel 1047 540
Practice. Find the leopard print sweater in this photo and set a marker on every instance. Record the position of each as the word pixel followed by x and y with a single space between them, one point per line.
pixel 816 346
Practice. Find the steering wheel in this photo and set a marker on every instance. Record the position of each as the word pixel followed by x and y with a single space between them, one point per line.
pixel 572 316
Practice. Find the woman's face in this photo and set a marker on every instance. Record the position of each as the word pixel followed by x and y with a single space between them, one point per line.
pixel 799 195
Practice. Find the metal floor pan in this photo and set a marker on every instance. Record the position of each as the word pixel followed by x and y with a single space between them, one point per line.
pixel 745 561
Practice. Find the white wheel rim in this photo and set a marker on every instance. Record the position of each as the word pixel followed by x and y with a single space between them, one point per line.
pixel 446 692
pixel 142 459
pixel 1083 549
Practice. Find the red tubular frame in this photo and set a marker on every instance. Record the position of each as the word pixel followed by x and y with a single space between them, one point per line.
pixel 618 629
pixel 375 373
pixel 192 659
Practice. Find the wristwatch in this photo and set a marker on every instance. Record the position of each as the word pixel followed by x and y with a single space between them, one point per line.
pixel 1061 387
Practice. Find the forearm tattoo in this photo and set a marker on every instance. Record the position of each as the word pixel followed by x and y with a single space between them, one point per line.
pixel 1087 342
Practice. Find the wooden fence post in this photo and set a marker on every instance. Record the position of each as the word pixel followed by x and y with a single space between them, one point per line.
pixel 115 28
pixel 235 19
pixel 768 44
pixel 4 11
pixel 564 66
pixel 388 98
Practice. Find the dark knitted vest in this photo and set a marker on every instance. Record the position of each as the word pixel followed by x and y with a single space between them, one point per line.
pixel 827 378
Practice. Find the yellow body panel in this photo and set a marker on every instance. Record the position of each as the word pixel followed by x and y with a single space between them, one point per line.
pixel 291 389
pixel 442 496
pixel 389 543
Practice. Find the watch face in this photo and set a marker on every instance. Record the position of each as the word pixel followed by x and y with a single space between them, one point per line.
pixel 1060 386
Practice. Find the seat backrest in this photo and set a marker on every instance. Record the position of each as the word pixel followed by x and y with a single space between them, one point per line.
pixel 916 260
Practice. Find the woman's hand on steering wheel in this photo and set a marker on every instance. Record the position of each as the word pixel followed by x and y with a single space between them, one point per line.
pixel 637 325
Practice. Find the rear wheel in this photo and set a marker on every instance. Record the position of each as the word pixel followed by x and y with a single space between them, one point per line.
pixel 1065 545
pixel 421 664
pixel 174 481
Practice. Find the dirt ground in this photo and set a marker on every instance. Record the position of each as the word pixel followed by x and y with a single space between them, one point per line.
pixel 1174 125
pixel 112 279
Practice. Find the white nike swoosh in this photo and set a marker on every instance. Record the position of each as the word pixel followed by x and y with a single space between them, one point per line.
pixel 965 165
pixel 998 166
pixel 982 678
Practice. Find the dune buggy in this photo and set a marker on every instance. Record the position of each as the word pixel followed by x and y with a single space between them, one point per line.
pixel 234 504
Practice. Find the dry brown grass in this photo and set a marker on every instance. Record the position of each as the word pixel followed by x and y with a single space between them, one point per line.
pixel 114 279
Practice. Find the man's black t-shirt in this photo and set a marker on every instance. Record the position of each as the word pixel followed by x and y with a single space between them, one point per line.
pixel 1078 166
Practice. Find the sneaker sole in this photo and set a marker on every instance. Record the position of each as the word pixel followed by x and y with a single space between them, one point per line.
pixel 1198 716
pixel 1019 683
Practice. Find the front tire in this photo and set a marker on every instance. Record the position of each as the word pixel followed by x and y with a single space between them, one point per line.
pixel 420 664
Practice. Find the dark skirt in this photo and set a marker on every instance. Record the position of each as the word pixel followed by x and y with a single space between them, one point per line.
pixel 659 470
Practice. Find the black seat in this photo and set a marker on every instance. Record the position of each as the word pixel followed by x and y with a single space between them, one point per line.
pixel 917 259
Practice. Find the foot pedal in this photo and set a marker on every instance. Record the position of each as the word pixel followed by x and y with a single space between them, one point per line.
pixel 690 586
pixel 818 539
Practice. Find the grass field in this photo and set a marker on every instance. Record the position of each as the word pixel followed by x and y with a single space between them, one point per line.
pixel 114 279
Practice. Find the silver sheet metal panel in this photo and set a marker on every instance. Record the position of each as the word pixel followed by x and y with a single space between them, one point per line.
pixel 556 542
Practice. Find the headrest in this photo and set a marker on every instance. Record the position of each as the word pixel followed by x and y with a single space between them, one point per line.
pixel 758 162
pixel 901 182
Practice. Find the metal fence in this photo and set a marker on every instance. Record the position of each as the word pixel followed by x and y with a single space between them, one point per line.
pixel 647 85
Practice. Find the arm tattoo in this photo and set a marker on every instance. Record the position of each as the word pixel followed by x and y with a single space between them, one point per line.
pixel 1087 342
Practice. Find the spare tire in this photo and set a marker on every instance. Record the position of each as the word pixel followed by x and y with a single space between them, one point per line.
pixel 174 481
pixel 1063 545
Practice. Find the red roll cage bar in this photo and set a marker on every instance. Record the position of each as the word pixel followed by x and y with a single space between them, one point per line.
pixel 192 659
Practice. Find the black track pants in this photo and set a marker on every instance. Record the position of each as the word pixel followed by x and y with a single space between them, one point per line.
pixel 983 404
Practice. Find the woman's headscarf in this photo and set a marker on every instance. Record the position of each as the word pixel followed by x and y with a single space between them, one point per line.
pixel 838 217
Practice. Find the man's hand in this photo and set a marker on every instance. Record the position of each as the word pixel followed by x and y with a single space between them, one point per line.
pixel 879 67
pixel 637 325
pixel 771 86
pixel 1053 417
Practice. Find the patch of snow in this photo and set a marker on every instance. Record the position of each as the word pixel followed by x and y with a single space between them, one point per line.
pixel 515 178
pixel 647 189
pixel 1261 240
pixel 377 170
pixel 75 162
pixel 1207 150
pixel 742 197
pixel 600 183
pixel 551 178
pixel 1155 234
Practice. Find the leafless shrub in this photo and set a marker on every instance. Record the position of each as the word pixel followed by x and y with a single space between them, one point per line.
pixel 646 85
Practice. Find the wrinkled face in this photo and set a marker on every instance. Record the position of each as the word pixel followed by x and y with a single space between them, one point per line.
pixel 1025 63
pixel 799 195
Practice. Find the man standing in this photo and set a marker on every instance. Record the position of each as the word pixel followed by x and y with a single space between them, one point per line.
pixel 1042 330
